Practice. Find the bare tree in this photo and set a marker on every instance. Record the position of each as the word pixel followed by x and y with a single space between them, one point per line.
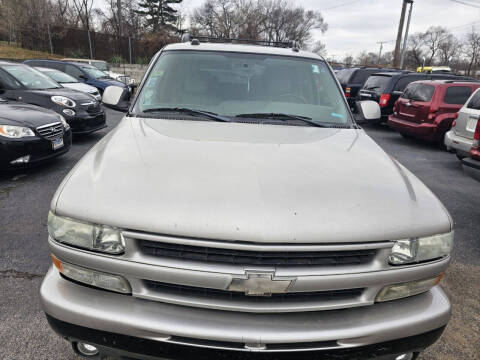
pixel 272 20
pixel 472 49
pixel 432 38
pixel 448 48
pixel 83 9
pixel 319 48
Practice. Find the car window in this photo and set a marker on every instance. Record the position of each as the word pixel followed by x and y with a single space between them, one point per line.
pixel 31 78
pixel 93 72
pixel 73 71
pixel 405 80
pixel 7 82
pixel 344 75
pixel 362 75
pixel 457 94
pixel 474 102
pixel 419 92
pixel 100 65
pixel 377 83
pixel 58 65
pixel 231 84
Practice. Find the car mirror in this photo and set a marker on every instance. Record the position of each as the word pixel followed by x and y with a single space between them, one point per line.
pixel 116 97
pixel 83 77
pixel 369 110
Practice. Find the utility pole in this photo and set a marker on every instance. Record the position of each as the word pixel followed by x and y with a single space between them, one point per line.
pixel 380 51
pixel 399 34
pixel 404 48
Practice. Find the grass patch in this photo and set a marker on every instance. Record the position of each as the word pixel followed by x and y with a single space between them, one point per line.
pixel 18 53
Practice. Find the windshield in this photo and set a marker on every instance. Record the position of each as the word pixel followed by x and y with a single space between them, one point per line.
pixel 419 92
pixel 31 78
pixel 377 83
pixel 233 84
pixel 93 72
pixel 100 65
pixel 60 76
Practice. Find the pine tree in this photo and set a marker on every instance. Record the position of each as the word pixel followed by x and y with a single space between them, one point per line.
pixel 160 15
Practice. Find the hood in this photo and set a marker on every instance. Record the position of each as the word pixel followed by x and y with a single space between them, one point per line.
pixel 17 113
pixel 248 182
pixel 80 87
pixel 70 93
pixel 110 82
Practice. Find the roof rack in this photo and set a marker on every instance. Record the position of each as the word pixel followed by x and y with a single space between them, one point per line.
pixel 197 39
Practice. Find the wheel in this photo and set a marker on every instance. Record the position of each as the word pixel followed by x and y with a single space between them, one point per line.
pixel 459 157
pixel 86 350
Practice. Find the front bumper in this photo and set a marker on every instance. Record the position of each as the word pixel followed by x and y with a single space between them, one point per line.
pixel 472 167
pixel 38 148
pixel 458 144
pixel 85 123
pixel 425 131
pixel 163 325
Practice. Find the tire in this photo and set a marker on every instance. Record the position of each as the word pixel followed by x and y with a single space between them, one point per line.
pixel 460 157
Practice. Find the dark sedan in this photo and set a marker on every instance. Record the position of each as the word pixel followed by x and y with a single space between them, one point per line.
pixel 23 83
pixel 30 134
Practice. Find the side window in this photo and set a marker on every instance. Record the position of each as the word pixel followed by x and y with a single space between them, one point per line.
pixel 56 65
pixel 7 82
pixel 73 71
pixel 457 94
pixel 474 103
pixel 404 81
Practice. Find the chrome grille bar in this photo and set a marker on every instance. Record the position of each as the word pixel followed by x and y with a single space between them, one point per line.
pixel 51 131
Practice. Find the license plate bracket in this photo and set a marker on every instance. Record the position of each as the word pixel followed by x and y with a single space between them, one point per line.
pixel 57 143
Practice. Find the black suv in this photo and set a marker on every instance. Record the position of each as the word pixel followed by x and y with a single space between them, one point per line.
pixel 386 87
pixel 352 80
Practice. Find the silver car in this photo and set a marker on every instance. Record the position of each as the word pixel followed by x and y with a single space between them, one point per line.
pixel 460 138
pixel 237 211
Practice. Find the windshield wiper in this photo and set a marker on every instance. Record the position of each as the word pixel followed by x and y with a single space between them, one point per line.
pixel 281 116
pixel 192 112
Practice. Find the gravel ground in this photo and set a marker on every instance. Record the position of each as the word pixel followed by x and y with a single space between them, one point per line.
pixel 24 203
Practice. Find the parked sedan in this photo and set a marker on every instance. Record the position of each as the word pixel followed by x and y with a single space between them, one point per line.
pixel 20 82
pixel 30 134
pixel 471 165
pixel 459 140
pixel 70 82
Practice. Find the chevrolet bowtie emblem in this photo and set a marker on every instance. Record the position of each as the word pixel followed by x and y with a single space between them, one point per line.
pixel 260 284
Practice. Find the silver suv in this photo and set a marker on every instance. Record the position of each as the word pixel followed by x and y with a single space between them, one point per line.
pixel 237 211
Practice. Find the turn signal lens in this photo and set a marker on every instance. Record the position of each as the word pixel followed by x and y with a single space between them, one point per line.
pixel 93 277
pixel 398 291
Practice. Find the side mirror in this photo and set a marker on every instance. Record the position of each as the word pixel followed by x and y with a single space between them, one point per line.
pixel 116 97
pixel 369 110
pixel 82 77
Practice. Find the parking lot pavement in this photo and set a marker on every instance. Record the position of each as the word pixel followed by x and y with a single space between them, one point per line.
pixel 25 198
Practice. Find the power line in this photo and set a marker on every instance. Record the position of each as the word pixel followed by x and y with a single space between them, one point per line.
pixel 466 3
pixel 340 5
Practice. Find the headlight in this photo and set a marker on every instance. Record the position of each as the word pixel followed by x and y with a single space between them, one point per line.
pixel 15 132
pixel 64 101
pixel 64 122
pixel 421 249
pixel 85 235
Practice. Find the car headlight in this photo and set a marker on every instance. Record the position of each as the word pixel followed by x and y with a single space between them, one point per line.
pixel 63 101
pixel 421 249
pixel 64 122
pixel 85 235
pixel 15 132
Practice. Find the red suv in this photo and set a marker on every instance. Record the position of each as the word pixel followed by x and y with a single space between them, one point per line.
pixel 427 109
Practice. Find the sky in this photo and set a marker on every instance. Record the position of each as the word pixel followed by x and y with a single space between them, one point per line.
pixel 356 25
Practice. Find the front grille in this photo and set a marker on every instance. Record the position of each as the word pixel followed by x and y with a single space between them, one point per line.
pixel 51 131
pixel 216 294
pixel 247 257
pixel 92 107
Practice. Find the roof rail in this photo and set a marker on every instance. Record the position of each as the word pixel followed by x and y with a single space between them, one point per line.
pixel 196 39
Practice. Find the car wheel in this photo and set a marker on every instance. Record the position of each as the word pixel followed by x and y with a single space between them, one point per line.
pixel 460 157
